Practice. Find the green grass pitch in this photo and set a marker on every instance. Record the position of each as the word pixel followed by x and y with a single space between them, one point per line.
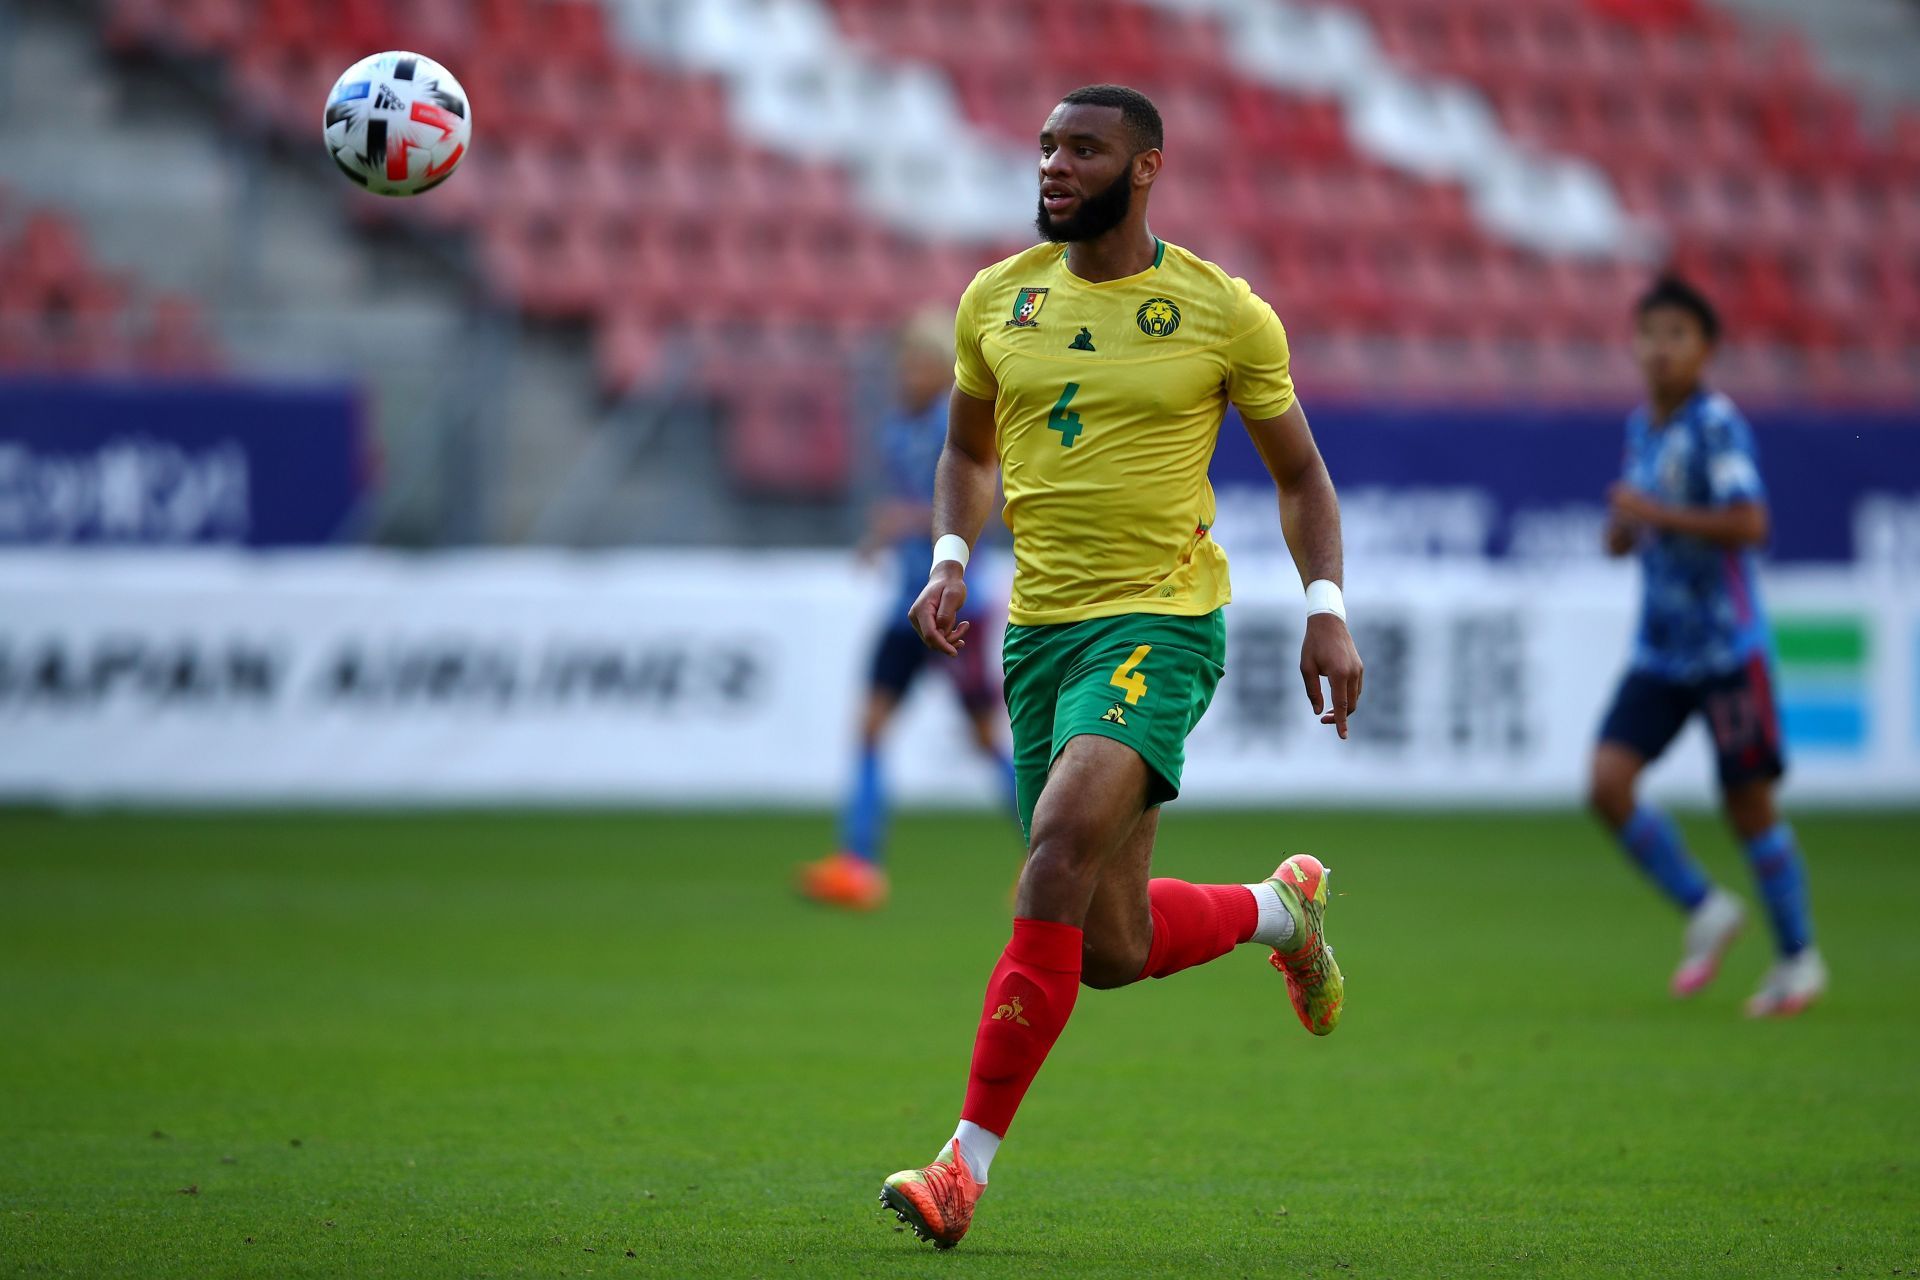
pixel 569 1045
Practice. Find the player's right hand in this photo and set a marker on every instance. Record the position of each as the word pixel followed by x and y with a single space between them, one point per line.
pixel 938 604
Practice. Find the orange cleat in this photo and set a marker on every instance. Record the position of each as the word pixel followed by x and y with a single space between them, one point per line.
pixel 842 880
pixel 1315 984
pixel 936 1202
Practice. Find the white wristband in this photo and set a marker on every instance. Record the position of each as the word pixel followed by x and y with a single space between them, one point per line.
pixel 1324 597
pixel 950 546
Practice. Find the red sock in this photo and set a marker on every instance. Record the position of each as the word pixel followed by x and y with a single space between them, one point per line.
pixel 1195 923
pixel 1028 1001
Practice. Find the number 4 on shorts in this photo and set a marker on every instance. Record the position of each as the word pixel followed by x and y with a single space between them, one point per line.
pixel 1125 677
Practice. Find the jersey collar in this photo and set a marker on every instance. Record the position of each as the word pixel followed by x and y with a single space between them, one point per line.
pixel 1159 256
pixel 1686 411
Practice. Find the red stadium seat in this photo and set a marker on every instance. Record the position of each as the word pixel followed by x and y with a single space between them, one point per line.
pixel 294 26
pixel 1657 15
pixel 1903 145
pixel 1124 51
pixel 214 26
pixel 444 26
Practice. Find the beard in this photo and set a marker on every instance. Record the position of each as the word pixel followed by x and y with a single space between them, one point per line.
pixel 1098 214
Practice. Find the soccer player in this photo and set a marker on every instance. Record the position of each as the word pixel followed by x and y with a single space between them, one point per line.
pixel 1092 373
pixel 1692 506
pixel 910 440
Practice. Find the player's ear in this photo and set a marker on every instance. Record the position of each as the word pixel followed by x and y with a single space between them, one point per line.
pixel 1146 167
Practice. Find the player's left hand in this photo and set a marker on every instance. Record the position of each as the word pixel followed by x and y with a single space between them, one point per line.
pixel 1328 651
pixel 1630 506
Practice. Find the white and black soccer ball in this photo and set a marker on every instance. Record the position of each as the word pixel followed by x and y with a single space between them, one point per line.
pixel 398 124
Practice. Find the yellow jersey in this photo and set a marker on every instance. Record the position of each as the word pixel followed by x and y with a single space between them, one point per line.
pixel 1107 401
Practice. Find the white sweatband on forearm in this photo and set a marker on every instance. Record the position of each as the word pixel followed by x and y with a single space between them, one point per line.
pixel 950 546
pixel 1324 597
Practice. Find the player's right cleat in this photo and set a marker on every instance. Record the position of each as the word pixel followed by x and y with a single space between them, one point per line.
pixel 1711 929
pixel 1314 982
pixel 1791 985
pixel 936 1202
pixel 842 880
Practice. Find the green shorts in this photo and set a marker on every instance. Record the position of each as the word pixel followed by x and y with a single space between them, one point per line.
pixel 1140 678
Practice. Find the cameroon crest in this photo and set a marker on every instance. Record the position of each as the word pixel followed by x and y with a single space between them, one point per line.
pixel 1026 308
pixel 1157 317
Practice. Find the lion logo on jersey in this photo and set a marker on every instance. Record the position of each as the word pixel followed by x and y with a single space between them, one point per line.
pixel 1026 308
pixel 1157 317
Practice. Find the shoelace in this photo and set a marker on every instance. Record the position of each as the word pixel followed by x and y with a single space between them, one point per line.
pixel 943 1181
pixel 1304 959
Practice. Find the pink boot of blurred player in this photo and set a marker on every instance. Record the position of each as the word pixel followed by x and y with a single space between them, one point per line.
pixel 1711 929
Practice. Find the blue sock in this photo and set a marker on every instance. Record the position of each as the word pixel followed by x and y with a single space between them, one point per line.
pixel 863 822
pixel 1009 784
pixel 1782 877
pixel 1651 840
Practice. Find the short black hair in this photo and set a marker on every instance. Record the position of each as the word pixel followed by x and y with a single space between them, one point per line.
pixel 1672 291
pixel 1136 109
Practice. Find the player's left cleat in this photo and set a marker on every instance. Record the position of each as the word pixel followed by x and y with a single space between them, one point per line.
pixel 842 880
pixel 1314 981
pixel 1792 984
pixel 936 1202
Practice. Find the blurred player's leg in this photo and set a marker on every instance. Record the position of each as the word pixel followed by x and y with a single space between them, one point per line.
pixel 985 722
pixel 1798 976
pixel 865 813
pixel 1781 876
pixel 1646 715
pixel 1740 713
pixel 985 707
pixel 1647 836
pixel 852 877
pixel 1653 841
pixel 980 698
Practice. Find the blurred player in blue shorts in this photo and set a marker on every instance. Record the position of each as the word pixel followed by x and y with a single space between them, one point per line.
pixel 1692 507
pixel 901 526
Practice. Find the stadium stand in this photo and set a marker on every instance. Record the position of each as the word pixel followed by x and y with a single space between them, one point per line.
pixel 1772 194
pixel 60 311
pixel 714 218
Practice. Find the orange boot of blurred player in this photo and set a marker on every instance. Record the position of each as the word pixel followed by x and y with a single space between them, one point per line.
pixel 843 880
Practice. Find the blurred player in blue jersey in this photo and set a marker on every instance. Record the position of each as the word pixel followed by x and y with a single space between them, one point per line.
pixel 1692 507
pixel 901 526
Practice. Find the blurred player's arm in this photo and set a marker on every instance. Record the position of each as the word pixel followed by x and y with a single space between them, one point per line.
pixel 1742 523
pixel 1310 520
pixel 965 486
pixel 1735 513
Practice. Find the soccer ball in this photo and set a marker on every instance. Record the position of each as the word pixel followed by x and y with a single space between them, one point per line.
pixel 398 123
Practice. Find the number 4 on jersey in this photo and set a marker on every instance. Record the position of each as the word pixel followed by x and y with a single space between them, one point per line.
pixel 1063 420
pixel 1125 677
